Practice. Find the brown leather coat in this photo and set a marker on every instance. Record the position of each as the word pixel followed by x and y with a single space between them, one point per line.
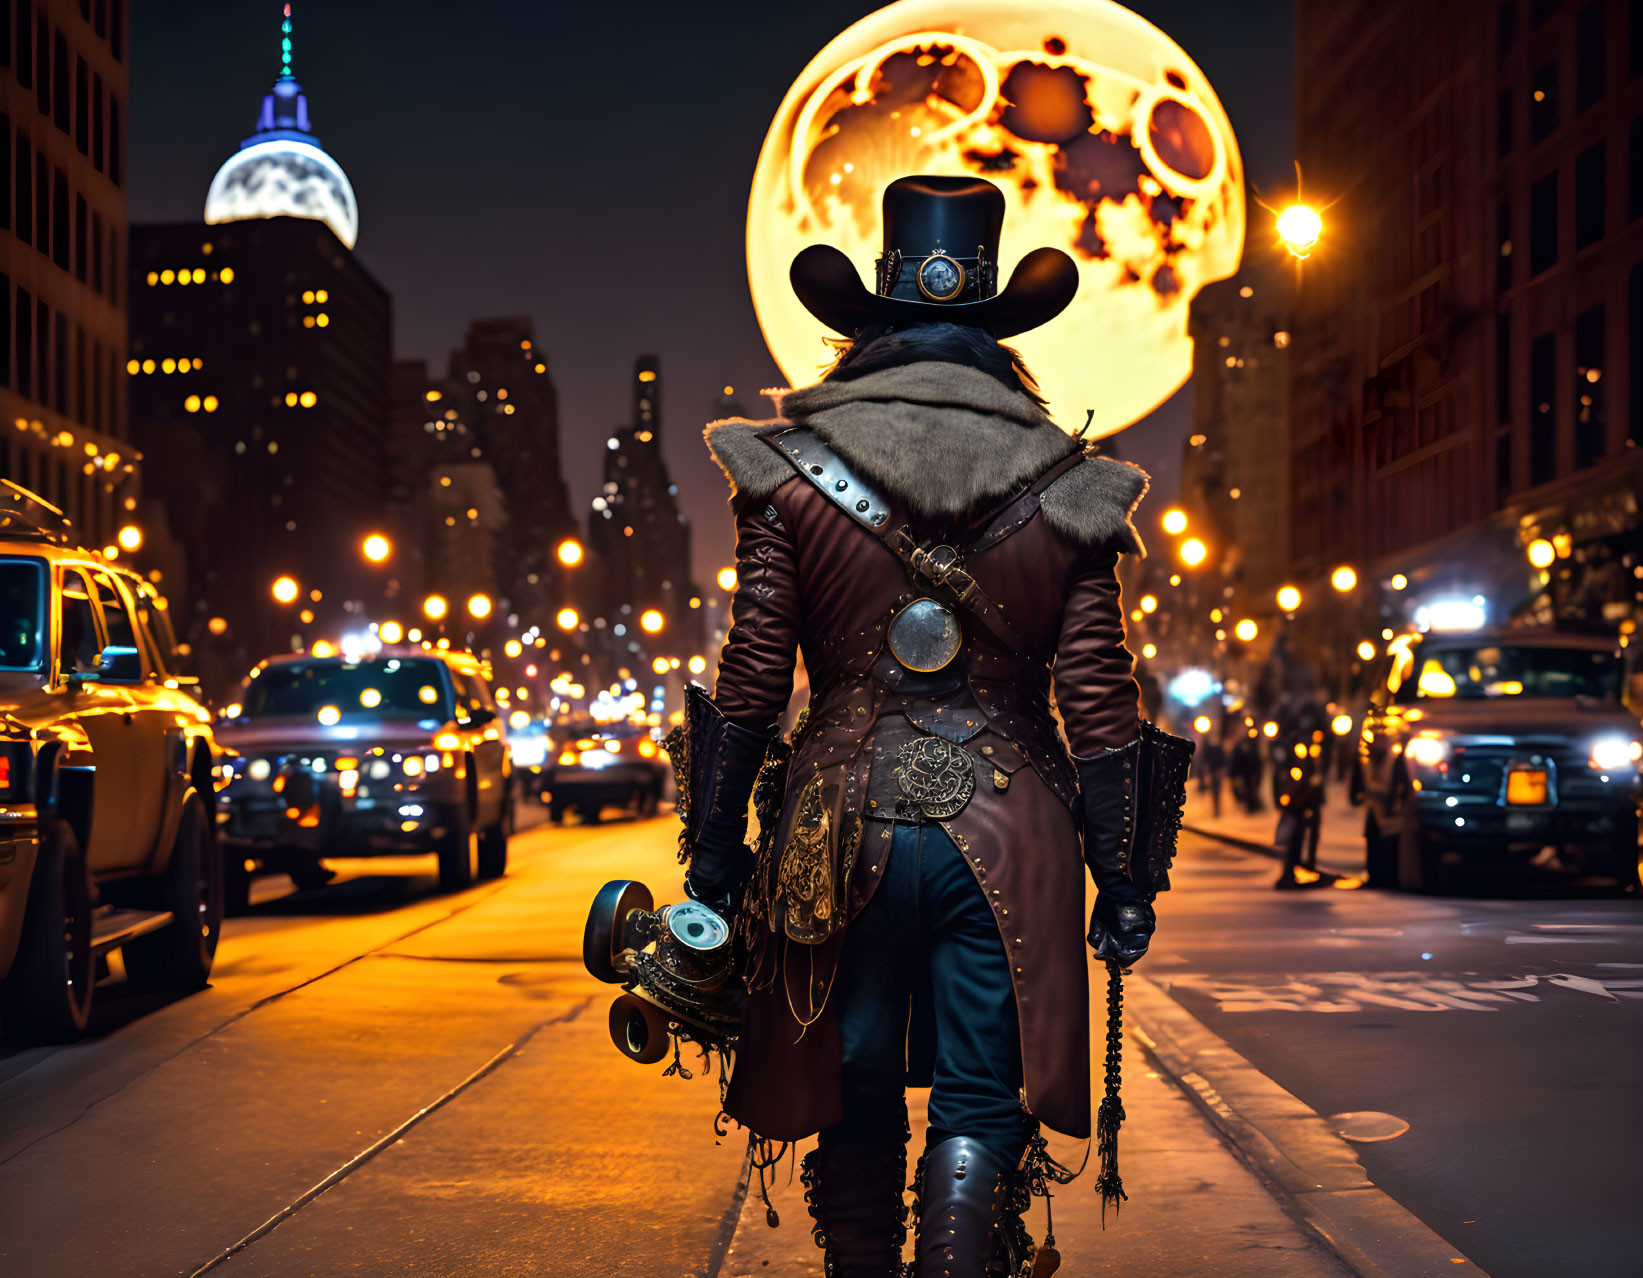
pixel 941 442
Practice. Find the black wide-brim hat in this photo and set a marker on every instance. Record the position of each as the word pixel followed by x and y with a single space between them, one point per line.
pixel 939 265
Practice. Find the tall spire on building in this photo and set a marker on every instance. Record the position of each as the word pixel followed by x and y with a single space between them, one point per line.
pixel 281 170
pixel 285 45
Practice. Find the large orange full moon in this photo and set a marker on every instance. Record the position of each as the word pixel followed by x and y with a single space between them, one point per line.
pixel 1106 139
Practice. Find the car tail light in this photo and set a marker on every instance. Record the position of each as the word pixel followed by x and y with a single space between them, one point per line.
pixel 567 758
pixel 1429 751
pixel 647 749
pixel 448 741
pixel 14 770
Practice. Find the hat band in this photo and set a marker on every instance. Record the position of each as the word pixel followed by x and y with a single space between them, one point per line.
pixel 939 278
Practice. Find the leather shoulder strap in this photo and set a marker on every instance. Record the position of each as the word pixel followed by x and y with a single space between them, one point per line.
pixel 1015 514
pixel 828 473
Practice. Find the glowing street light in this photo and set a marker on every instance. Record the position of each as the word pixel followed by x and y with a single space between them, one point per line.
pixel 569 552
pixel 1203 723
pixel 1343 578
pixel 391 632
pixel 659 666
pixel 727 579
pixel 285 590
pixel 479 606
pixel 1399 581
pixel 651 622
pixel 1366 651
pixel 1299 227
pixel 1541 552
pixel 513 647
pixel 1149 603
pixel 697 664
pixel 1289 599
pixel 1246 630
pixel 1193 552
pixel 568 619
pixel 376 548
pixel 1175 521
pixel 434 607
pixel 130 538
pixel 1341 724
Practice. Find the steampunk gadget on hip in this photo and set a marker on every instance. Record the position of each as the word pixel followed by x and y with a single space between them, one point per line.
pixel 677 967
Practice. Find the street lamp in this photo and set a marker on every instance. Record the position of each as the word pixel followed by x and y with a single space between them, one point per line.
pixel 285 590
pixel 479 606
pixel 1193 552
pixel 376 548
pixel 513 647
pixel 727 579
pixel 697 664
pixel 1175 521
pixel 1366 651
pixel 568 619
pixel 391 632
pixel 659 666
pixel 434 607
pixel 569 552
pixel 1299 227
pixel 1289 599
pixel 130 538
pixel 651 622
pixel 1149 603
pixel 1541 553
pixel 1246 630
pixel 1343 578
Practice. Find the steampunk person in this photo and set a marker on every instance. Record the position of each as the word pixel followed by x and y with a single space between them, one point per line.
pixel 918 526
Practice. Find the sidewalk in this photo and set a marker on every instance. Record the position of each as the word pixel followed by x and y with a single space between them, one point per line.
pixel 1194 1207
pixel 1340 845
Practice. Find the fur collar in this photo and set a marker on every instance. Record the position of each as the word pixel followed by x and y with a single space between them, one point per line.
pixel 944 439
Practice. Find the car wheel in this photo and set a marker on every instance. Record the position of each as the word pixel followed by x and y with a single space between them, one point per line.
pixel 236 884
pixel 456 853
pixel 493 845
pixel 47 996
pixel 179 955
pixel 1420 858
pixel 1380 856
pixel 1625 859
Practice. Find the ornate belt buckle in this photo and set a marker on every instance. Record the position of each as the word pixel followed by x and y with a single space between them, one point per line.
pixel 936 775
pixel 925 636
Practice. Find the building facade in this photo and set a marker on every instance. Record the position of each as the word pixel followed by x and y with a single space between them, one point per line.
pixel 63 94
pixel 259 366
pixel 1468 338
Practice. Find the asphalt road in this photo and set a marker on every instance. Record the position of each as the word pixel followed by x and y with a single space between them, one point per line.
pixel 335 1017
pixel 442 1064
pixel 1503 1027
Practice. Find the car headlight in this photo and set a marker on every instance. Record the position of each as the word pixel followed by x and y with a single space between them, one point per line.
pixel 1428 752
pixel 1610 754
pixel 259 769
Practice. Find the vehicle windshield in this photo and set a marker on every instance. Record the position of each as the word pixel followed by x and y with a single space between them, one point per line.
pixel 22 644
pixel 375 688
pixel 1492 671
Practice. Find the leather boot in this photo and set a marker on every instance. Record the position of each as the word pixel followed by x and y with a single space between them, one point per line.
pixel 962 1194
pixel 854 1191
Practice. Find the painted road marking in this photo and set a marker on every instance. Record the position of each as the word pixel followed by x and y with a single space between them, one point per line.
pixel 1402 991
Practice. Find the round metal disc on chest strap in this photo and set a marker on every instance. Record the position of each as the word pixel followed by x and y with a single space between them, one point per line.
pixel 925 636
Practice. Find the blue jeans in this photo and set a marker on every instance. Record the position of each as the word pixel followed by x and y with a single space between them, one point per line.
pixel 928 940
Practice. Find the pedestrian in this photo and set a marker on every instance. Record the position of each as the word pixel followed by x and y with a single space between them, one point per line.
pixel 934 543
pixel 1214 761
pixel 1301 757
pixel 1244 767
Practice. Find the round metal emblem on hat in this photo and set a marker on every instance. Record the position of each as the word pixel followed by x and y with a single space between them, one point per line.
pixel 936 775
pixel 924 636
pixel 940 278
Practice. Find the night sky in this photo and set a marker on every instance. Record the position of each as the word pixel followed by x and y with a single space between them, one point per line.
pixel 585 164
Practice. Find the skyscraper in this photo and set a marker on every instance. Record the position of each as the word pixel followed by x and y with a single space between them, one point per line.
pixel 638 536
pixel 63 78
pixel 259 365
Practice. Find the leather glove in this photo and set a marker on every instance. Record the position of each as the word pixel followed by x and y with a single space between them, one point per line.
pixel 723 897
pixel 1121 930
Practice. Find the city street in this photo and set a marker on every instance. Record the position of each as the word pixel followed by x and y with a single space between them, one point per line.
pixel 1505 1033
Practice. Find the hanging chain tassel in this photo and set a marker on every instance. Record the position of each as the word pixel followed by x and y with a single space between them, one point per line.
pixel 1110 1116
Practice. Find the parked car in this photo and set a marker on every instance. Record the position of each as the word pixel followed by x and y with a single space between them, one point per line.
pixel 604 765
pixel 108 773
pixel 393 752
pixel 1484 748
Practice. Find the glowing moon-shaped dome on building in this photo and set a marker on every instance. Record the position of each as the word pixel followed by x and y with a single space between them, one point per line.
pixel 284 178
